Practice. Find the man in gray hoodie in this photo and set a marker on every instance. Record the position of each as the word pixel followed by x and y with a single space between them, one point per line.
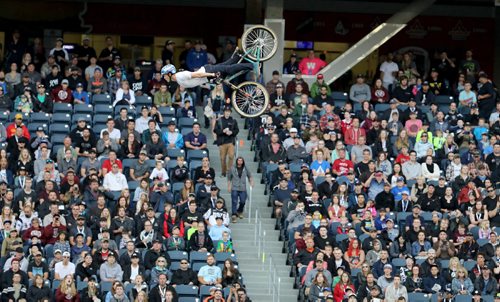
pixel 110 270
pixel 360 91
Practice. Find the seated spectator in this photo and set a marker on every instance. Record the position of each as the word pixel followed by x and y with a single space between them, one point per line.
pixel 184 275
pixel 124 95
pixel 210 274
pixel 64 269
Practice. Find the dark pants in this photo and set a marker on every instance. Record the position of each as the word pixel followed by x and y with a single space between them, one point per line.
pixel 229 67
pixel 238 196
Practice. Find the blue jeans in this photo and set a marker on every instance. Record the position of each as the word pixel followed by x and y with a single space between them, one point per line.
pixel 238 196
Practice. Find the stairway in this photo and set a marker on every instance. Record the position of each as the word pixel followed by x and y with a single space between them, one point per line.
pixel 255 270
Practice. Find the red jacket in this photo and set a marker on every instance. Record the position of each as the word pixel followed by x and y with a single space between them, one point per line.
pixel 11 130
pixel 61 297
pixel 169 223
pixel 50 234
pixel 339 291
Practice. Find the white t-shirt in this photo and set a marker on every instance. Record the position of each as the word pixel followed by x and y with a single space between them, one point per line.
pixel 184 79
pixel 63 270
pixel 388 68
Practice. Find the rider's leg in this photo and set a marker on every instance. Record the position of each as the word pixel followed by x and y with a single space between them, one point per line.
pixel 228 69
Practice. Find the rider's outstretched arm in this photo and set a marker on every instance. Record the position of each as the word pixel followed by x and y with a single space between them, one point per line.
pixel 198 74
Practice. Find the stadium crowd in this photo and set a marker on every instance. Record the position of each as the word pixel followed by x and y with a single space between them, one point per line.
pixel 106 188
pixel 387 191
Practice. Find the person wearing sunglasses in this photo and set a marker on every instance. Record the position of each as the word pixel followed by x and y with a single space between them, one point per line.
pixel 184 275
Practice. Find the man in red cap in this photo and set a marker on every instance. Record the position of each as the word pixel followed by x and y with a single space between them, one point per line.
pixel 320 83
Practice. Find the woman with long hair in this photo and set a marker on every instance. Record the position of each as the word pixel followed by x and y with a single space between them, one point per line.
pixel 216 100
pixel 354 255
pixel 397 172
pixel 121 203
pixel 415 282
pixel 143 200
pixel 38 290
pixel 66 292
pixel 201 172
pixel 107 215
pixel 383 144
pixel 7 215
pixel 319 289
pixel 131 147
pixel 142 188
pixel 365 270
pixel 25 160
pixel 143 297
pixel 13 77
pixel 399 248
pixel 364 112
pixel 420 247
pixel 181 95
pixel 453 267
pixel 170 221
pixel 187 189
pixel 478 214
pixel 403 140
pixel 25 62
pixel 341 287
pixel 335 210
pixel 380 95
pixel 383 164
pixel 237 185
pixel 343 195
pixel 418 189
pixel 230 274
pixel 461 283
pixel 91 292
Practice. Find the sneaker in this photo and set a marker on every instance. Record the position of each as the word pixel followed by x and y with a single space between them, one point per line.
pixel 223 175
pixel 234 219
pixel 236 52
pixel 240 215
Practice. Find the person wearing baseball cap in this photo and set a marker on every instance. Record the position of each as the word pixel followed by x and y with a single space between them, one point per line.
pixel 317 86
pixel 62 93
pixel 275 80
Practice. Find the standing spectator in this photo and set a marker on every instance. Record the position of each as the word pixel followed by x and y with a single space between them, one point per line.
pixel 388 71
pixel 292 65
pixel 108 53
pixel 226 130
pixel 311 65
pixel 237 181
pixel 60 54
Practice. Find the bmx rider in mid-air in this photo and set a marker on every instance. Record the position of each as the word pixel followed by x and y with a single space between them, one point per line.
pixel 190 79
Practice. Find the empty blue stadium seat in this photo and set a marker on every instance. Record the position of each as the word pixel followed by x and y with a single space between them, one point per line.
pixel 103 109
pixel 62 108
pixel 104 99
pixel 61 118
pixel 83 109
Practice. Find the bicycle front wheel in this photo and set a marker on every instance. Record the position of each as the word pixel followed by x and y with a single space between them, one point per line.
pixel 250 99
pixel 259 43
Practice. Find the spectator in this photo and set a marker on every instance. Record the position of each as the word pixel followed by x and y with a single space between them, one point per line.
pixel 311 65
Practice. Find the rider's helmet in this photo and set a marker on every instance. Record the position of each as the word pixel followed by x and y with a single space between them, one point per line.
pixel 168 69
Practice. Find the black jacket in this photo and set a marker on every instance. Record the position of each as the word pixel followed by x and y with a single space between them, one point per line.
pixel 36 294
pixel 127 271
pixel 193 242
pixel 184 277
pixel 154 294
pixel 223 123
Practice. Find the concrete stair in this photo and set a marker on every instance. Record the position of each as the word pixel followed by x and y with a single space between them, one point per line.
pixel 257 275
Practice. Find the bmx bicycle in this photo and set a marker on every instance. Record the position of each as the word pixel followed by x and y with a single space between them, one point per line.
pixel 249 98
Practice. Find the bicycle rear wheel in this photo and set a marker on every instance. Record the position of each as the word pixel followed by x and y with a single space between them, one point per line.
pixel 259 43
pixel 250 99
